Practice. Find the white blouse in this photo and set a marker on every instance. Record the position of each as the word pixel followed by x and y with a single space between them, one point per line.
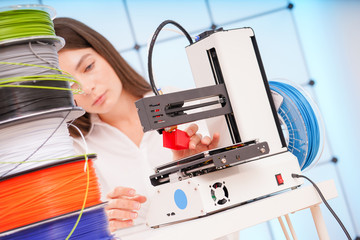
pixel 120 162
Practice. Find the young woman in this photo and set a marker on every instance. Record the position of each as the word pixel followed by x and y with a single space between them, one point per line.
pixel 112 128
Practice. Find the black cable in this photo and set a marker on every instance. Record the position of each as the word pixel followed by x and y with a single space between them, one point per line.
pixel 151 47
pixel 326 203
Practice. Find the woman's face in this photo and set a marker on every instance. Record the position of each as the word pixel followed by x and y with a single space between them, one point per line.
pixel 100 84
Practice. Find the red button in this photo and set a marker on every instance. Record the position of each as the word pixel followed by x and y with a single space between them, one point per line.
pixel 279 179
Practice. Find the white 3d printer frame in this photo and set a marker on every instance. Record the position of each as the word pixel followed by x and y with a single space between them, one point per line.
pixel 231 58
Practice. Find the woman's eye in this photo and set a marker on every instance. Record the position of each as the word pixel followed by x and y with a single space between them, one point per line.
pixel 89 67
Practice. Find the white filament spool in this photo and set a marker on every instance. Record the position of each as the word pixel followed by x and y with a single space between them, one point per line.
pixel 34 144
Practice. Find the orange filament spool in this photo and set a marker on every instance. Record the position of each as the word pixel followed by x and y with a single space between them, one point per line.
pixel 46 193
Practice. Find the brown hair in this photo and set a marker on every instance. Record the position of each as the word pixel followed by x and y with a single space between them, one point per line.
pixel 78 35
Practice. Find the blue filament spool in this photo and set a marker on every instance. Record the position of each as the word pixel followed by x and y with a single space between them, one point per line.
pixel 300 123
pixel 93 225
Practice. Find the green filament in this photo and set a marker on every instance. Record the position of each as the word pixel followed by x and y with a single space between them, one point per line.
pixel 11 81
pixel 25 23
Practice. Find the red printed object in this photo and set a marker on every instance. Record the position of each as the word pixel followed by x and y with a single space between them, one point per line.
pixel 176 140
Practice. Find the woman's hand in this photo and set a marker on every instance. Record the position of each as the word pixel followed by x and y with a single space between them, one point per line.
pixel 197 143
pixel 122 207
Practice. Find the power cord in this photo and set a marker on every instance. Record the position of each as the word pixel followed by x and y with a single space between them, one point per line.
pixel 326 203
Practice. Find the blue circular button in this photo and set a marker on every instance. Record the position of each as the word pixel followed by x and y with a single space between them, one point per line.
pixel 180 199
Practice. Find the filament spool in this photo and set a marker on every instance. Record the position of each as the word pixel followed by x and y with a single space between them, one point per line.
pixel 51 187
pixel 40 98
pixel 34 144
pixel 93 225
pixel 301 122
pixel 12 17
pixel 46 193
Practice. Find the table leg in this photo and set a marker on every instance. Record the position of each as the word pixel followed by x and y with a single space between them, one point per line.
pixel 319 223
pixel 291 227
pixel 283 228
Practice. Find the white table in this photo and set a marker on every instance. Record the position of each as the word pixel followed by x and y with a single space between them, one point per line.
pixel 235 219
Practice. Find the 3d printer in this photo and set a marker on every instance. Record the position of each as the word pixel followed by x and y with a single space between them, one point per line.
pixel 234 97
